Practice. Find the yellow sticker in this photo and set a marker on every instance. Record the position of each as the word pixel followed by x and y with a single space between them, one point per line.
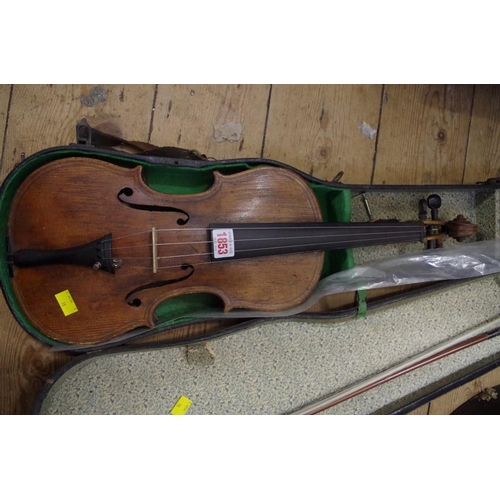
pixel 66 302
pixel 182 406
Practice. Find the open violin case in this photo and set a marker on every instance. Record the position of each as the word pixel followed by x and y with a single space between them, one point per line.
pixel 177 171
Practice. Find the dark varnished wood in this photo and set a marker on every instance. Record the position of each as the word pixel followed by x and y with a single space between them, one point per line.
pixel 73 201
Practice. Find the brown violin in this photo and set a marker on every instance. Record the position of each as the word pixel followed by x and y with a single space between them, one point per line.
pixel 94 234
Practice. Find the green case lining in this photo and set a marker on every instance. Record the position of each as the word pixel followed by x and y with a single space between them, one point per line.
pixel 335 205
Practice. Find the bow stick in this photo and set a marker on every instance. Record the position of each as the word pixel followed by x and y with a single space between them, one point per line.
pixel 459 343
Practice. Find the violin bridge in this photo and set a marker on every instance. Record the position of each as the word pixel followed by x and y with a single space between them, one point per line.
pixel 154 249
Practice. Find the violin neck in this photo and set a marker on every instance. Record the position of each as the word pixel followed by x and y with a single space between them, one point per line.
pixel 257 240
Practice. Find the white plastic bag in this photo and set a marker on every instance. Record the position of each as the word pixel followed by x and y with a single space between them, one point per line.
pixel 458 262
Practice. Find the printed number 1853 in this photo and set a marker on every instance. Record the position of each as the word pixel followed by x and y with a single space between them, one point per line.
pixel 223 241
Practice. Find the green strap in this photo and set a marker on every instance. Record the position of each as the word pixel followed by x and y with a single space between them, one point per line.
pixel 362 306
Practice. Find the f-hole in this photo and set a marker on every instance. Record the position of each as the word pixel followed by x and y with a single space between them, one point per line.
pixel 127 192
pixel 136 302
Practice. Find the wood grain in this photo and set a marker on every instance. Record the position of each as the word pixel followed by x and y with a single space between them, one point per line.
pixel 4 109
pixel 423 134
pixel 483 154
pixel 315 128
pixel 84 192
pixel 423 410
pixel 189 116
pixel 221 121
pixel 25 365
pixel 43 116
pixel 448 403
pixel 303 122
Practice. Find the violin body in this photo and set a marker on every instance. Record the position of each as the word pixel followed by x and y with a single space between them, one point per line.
pixel 159 242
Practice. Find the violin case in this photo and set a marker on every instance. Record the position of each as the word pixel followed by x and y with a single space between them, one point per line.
pixel 280 367
pixel 179 171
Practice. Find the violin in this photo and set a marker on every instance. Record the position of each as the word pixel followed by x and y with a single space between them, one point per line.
pixel 94 250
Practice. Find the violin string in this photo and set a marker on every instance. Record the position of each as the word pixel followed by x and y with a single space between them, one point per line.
pixel 258 239
pixel 218 261
pixel 358 225
pixel 202 254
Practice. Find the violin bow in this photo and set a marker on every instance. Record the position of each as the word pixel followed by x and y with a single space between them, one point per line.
pixel 468 339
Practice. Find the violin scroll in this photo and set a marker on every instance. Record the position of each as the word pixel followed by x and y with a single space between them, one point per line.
pixel 460 228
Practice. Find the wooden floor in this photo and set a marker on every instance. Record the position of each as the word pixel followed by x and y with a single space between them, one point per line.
pixel 432 134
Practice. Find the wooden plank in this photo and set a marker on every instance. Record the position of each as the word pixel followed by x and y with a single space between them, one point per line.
pixel 448 403
pixel 422 410
pixel 483 154
pixel 316 128
pixel 423 134
pixel 42 116
pixel 25 365
pixel 221 121
pixel 4 109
